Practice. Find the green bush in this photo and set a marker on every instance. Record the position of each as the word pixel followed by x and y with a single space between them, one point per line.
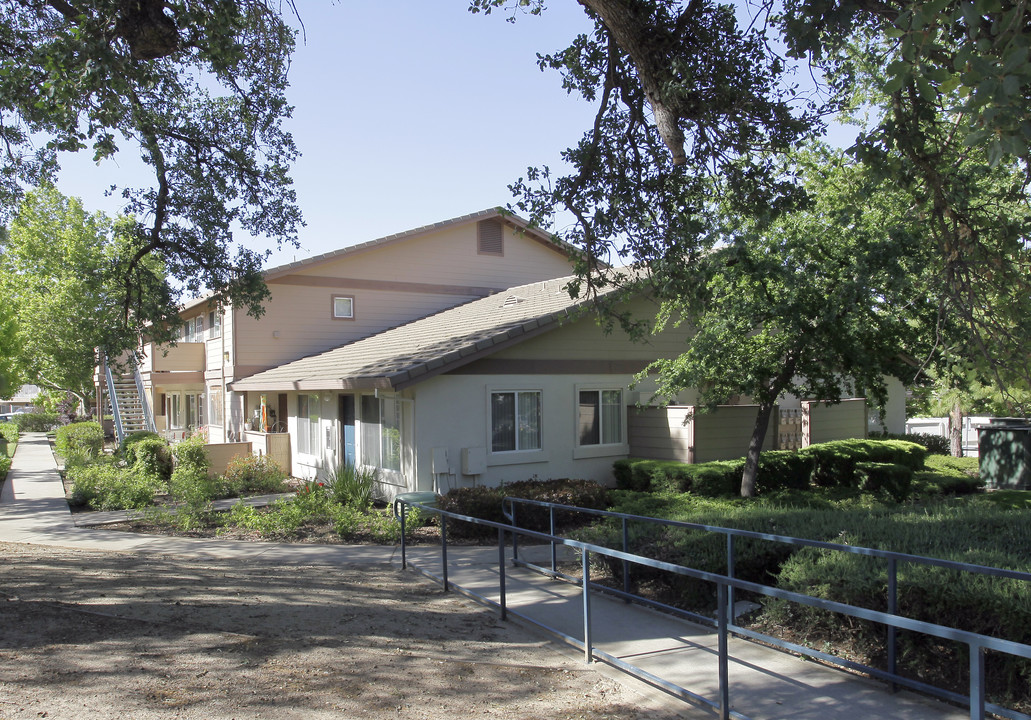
pixel 485 503
pixel 834 463
pixel 85 439
pixel 128 444
pixel 190 484
pixel 935 444
pixel 253 474
pixel 9 431
pixel 947 475
pixel 5 465
pixel 35 422
pixel 890 478
pixel 352 486
pixel 106 486
pixel 151 456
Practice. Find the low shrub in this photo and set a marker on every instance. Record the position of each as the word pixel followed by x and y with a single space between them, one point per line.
pixel 947 475
pixel 485 503
pixel 890 478
pixel 9 431
pixel 5 465
pixel 834 463
pixel 190 484
pixel 85 439
pixel 935 444
pixel 253 474
pixel 151 456
pixel 35 422
pixel 106 486
pixel 352 486
pixel 130 440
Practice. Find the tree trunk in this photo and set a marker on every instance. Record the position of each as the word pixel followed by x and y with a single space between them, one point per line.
pixel 956 429
pixel 755 446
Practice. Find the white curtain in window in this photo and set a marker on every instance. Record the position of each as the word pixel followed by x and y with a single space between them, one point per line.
pixel 611 416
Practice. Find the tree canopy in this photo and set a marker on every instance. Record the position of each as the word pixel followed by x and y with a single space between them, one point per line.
pixel 61 278
pixel 196 88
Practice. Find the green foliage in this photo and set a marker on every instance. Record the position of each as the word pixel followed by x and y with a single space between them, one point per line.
pixel 253 474
pixel 834 462
pixel 935 444
pixel 131 439
pixel 485 503
pixel 84 439
pixel 59 267
pixel 151 457
pixel 5 465
pixel 190 485
pixel 890 478
pixel 106 486
pixel 9 432
pixel 35 422
pixel 352 486
pixel 200 91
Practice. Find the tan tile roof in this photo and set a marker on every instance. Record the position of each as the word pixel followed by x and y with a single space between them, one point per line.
pixel 418 350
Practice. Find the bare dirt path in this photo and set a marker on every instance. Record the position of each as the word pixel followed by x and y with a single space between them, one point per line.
pixel 109 635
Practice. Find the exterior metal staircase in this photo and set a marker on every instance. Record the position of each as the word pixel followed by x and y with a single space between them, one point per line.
pixel 129 406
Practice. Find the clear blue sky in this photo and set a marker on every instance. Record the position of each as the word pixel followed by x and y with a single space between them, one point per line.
pixel 407 112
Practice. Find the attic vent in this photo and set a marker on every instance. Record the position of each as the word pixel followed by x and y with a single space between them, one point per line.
pixel 512 300
pixel 489 237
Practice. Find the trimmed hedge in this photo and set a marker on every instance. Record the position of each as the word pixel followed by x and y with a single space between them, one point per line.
pixel 35 422
pixel 485 503
pixel 85 439
pixel 826 465
pixel 935 444
pixel 893 479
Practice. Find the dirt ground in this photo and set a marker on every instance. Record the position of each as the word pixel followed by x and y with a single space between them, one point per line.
pixel 88 634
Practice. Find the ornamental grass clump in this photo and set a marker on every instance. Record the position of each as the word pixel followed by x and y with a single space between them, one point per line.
pixel 352 486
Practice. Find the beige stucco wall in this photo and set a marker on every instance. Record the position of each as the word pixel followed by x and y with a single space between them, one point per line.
pixel 391 284
pixel 452 412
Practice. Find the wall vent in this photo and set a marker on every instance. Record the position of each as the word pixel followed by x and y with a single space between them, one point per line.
pixel 490 239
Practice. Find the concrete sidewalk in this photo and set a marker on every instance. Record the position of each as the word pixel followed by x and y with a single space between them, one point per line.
pixel 764 684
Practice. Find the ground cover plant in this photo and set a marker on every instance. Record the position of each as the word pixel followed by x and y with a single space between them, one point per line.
pixel 858 493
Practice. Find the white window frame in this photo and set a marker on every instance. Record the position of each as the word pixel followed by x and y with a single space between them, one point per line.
pixel 214 324
pixel 308 424
pixel 600 449
pixel 350 305
pixel 519 454
pixel 216 406
pixel 373 442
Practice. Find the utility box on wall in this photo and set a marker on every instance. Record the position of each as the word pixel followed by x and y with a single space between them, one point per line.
pixel 474 461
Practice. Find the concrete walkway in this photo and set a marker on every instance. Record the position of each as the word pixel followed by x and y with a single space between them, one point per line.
pixel 764 684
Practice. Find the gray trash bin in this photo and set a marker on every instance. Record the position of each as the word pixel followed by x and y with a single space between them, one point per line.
pixel 1005 454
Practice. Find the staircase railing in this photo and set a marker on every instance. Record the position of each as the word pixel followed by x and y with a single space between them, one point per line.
pixel 113 398
pixel 116 410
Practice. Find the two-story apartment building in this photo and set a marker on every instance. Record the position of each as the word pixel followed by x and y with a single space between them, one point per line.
pixel 326 301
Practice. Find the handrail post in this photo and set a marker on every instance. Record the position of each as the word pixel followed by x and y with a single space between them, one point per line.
pixel 551 531
pixel 501 572
pixel 404 552
pixel 723 609
pixel 588 647
pixel 977 689
pixel 626 563
pixel 515 536
pixel 730 572
pixel 893 608
pixel 443 551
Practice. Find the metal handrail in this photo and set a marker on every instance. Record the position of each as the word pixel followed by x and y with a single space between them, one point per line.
pixel 977 643
pixel 113 397
pixel 148 416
